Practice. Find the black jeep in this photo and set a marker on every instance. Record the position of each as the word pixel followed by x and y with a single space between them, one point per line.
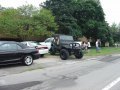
pixel 66 46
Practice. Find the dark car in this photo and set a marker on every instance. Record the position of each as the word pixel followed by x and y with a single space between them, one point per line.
pixel 14 52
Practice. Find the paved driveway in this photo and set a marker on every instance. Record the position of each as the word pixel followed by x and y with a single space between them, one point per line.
pixel 47 61
pixel 98 73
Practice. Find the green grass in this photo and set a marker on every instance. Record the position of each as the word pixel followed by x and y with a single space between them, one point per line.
pixel 103 51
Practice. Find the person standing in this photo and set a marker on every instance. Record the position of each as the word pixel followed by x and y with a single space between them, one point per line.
pixel 85 46
pixel 89 45
pixel 98 45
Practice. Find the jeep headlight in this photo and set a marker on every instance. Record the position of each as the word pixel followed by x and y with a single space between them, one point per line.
pixel 71 45
pixel 76 45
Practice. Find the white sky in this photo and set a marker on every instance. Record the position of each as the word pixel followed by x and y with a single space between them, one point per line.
pixel 112 10
pixel 16 3
pixel 110 7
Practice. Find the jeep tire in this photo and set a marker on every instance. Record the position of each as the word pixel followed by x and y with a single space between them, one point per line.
pixel 64 54
pixel 79 54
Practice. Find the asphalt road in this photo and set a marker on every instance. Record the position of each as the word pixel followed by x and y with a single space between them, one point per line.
pixel 101 73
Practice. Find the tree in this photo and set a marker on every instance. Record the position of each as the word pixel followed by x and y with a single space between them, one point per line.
pixel 37 23
pixel 27 23
pixel 90 18
pixel 79 18
pixel 115 30
pixel 63 11
pixel 44 23
pixel 8 22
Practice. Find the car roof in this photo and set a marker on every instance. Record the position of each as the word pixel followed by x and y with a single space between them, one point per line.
pixel 12 42
pixel 59 35
pixel 29 41
pixel 1 42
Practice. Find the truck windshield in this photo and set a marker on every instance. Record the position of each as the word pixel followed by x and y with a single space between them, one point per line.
pixel 66 37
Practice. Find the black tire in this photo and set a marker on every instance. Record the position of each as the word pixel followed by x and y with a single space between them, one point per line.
pixel 52 51
pixel 28 60
pixel 42 55
pixel 64 54
pixel 79 54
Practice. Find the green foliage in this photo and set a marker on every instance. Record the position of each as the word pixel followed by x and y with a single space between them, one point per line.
pixel 104 51
pixel 115 30
pixel 63 11
pixel 80 18
pixel 90 17
pixel 45 19
pixel 27 23
pixel 73 17
pixel 8 22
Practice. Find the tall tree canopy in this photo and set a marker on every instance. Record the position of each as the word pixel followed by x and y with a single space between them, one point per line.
pixel 115 30
pixel 63 11
pixel 80 18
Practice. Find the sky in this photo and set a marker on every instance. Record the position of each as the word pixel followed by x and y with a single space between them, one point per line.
pixel 111 7
pixel 112 10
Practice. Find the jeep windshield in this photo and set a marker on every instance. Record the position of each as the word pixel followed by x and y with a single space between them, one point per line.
pixel 66 38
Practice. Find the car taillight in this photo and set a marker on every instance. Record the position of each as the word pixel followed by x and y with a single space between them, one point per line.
pixel 41 48
pixel 37 49
pixel 45 47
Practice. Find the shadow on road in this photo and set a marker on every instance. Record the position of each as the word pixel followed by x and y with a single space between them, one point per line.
pixel 11 65
pixel 20 86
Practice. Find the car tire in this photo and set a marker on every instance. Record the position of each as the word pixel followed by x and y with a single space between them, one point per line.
pixel 79 54
pixel 64 54
pixel 28 60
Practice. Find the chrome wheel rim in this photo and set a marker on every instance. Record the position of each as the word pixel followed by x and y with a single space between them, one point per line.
pixel 28 60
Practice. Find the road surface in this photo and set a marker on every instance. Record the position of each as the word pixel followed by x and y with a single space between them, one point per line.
pixel 92 74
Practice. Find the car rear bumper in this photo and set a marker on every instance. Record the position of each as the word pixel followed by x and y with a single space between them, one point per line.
pixel 43 51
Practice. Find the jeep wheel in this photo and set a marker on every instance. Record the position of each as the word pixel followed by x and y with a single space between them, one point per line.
pixel 64 54
pixel 79 55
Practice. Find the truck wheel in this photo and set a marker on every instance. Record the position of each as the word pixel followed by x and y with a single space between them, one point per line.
pixel 79 55
pixel 64 54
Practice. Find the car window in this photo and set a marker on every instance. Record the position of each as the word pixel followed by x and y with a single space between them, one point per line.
pixel 63 37
pixel 51 39
pixel 10 47
pixel 19 47
pixel 24 43
pixel 4 47
pixel 33 44
pixel 47 40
